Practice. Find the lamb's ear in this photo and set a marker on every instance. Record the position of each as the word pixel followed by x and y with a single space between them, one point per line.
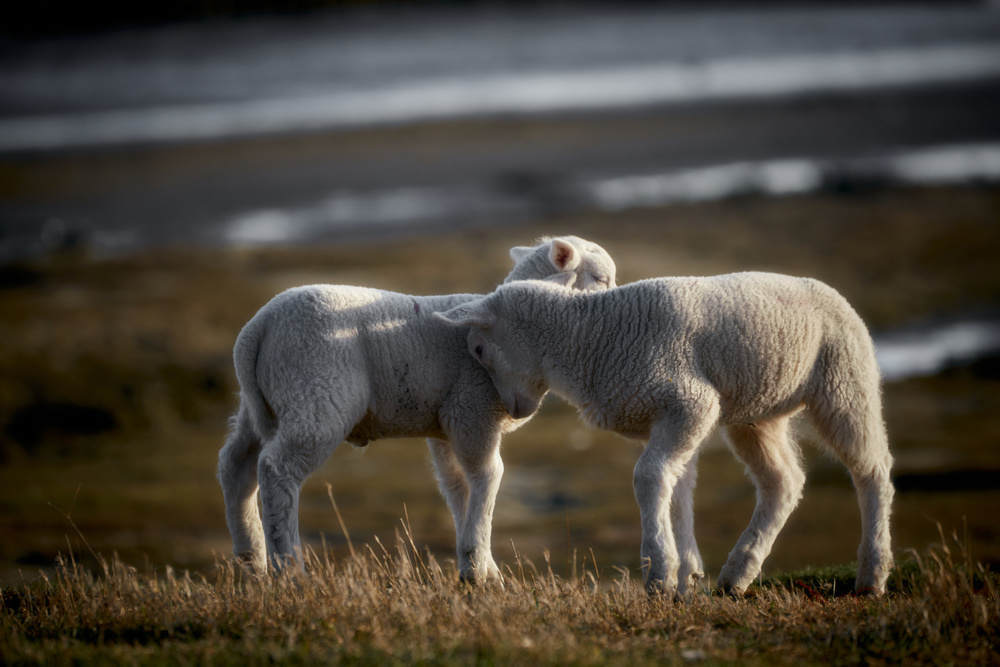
pixel 564 255
pixel 564 279
pixel 521 252
pixel 472 314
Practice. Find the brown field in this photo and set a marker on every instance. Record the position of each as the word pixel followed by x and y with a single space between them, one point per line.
pixel 115 385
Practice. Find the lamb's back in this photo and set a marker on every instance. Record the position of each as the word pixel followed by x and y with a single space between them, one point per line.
pixel 752 338
pixel 381 352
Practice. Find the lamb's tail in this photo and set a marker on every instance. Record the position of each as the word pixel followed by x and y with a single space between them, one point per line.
pixel 254 411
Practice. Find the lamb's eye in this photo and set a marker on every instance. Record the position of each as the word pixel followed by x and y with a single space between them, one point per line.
pixel 479 351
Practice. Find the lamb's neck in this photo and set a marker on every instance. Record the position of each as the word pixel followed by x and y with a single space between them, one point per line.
pixel 566 344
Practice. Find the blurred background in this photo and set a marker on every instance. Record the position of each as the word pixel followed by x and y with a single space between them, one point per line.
pixel 165 170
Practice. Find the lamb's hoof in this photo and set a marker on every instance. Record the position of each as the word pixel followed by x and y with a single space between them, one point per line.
pixel 249 564
pixel 660 589
pixel 470 581
pixel 729 591
pixel 870 592
pixel 693 582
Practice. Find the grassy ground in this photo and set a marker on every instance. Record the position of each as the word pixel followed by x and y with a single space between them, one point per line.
pixel 115 383
pixel 400 606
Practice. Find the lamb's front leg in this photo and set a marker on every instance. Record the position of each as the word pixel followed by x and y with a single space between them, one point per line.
pixel 653 485
pixel 663 464
pixel 483 470
pixel 451 480
pixel 692 569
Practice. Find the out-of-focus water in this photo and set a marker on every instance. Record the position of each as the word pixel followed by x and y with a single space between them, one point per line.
pixel 219 79
pixel 535 91
pixel 399 208
pixel 927 350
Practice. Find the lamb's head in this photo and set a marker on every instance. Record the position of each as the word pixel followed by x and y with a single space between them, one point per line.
pixel 501 343
pixel 589 264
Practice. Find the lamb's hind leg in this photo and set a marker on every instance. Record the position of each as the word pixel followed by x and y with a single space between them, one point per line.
pixel 451 480
pixel 772 460
pixel 860 441
pixel 237 475
pixel 285 462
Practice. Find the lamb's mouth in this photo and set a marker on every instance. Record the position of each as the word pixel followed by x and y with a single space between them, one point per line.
pixel 519 407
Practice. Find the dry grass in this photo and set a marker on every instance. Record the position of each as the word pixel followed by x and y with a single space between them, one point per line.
pixel 401 606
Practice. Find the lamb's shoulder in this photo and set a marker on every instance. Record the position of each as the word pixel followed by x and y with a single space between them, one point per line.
pixel 609 359
pixel 413 363
pixel 413 357
pixel 626 404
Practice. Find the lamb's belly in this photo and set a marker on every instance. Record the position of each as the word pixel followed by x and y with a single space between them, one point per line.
pixel 636 419
pixel 768 388
pixel 629 425
pixel 397 424
pixel 752 411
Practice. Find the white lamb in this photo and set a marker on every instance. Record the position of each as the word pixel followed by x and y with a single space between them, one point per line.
pixel 666 360
pixel 324 363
